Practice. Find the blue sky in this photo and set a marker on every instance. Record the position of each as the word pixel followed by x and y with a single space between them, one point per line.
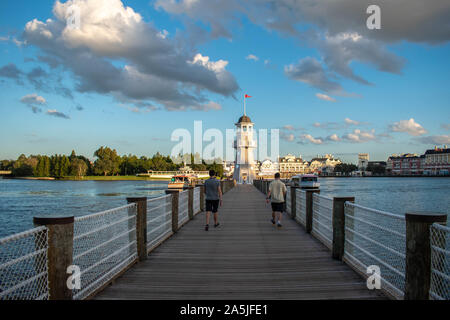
pixel 390 84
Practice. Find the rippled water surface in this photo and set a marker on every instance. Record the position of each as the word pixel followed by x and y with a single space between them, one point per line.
pixel 20 200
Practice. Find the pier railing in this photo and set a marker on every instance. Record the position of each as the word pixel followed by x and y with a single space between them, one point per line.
pixel 440 262
pixel 159 220
pixel 374 237
pixel 23 266
pixel 104 244
pixel 408 254
pixel 75 258
pixel 322 216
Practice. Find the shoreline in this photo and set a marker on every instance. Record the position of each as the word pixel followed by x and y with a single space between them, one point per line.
pixel 134 178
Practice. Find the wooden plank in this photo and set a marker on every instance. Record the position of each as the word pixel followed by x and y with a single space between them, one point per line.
pixel 245 258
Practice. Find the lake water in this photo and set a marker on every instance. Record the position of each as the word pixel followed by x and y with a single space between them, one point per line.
pixel 20 200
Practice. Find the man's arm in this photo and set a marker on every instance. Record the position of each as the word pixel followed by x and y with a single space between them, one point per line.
pixel 269 193
pixel 220 195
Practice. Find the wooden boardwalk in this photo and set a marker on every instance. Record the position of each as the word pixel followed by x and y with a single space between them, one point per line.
pixel 245 258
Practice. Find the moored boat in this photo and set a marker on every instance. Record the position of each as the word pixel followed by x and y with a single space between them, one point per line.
pixel 306 181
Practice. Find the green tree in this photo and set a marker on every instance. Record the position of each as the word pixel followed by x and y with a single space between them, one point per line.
pixel 107 161
pixel 345 168
pixel 376 169
pixel 24 167
pixel 64 166
pixel 6 165
pixel 78 167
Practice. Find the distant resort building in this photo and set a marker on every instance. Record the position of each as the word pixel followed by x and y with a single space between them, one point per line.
pixel 363 161
pixel 437 161
pixel 405 164
pixel 267 169
pixel 291 165
pixel 323 165
pixel 433 162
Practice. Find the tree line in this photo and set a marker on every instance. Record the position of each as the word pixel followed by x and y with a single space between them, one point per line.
pixel 107 163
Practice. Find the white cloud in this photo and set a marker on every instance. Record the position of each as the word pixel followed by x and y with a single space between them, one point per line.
pixel 287 137
pixel 57 114
pixel 359 136
pixel 333 137
pixel 33 101
pixel 409 126
pixel 311 139
pixel 325 97
pixel 33 98
pixel 153 66
pixel 252 57
pixel 351 122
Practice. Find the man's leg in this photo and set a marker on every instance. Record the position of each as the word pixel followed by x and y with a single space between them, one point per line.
pixel 208 213
pixel 216 213
pixel 279 214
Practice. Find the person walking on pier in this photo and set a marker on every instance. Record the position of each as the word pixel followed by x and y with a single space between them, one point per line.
pixel 213 198
pixel 277 192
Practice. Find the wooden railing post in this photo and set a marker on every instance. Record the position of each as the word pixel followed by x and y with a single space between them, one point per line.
pixel 175 197
pixel 202 196
pixel 191 202
pixel 141 226
pixel 59 254
pixel 418 253
pixel 293 202
pixel 339 226
pixel 309 208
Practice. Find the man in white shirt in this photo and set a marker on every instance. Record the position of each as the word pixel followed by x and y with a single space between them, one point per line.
pixel 277 192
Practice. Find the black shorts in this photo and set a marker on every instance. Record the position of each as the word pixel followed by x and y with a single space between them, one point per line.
pixel 212 205
pixel 277 206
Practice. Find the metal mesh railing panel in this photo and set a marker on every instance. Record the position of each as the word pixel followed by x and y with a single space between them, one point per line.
pixel 183 208
pixel 197 200
pixel 159 220
pixel 322 226
pixel 374 237
pixel 440 262
pixel 23 265
pixel 288 200
pixel 300 206
pixel 104 245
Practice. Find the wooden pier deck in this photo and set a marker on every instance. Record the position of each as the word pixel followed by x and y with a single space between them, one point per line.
pixel 245 258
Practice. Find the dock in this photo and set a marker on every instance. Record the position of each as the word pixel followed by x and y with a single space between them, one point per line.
pixel 246 257
pixel 157 249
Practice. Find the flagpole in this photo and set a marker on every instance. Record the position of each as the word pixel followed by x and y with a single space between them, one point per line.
pixel 244 105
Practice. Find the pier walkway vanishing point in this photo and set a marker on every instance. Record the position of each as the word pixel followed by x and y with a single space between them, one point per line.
pixel 246 257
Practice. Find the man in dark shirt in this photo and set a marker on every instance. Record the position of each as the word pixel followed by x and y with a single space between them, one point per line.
pixel 213 198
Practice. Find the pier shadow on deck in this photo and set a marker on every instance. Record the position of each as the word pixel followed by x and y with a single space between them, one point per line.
pixel 245 258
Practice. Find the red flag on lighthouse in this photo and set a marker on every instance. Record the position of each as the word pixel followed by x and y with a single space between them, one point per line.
pixel 247 96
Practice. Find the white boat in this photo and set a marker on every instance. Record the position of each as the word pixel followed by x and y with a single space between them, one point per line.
pixel 307 181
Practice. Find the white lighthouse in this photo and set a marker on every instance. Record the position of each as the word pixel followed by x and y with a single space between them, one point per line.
pixel 245 147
